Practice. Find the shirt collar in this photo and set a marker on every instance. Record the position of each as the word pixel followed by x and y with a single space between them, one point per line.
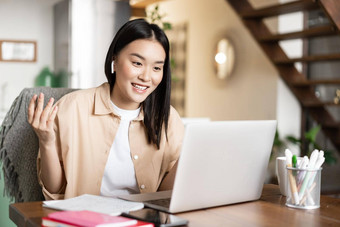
pixel 102 102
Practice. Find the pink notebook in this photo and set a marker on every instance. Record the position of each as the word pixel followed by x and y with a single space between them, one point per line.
pixel 90 219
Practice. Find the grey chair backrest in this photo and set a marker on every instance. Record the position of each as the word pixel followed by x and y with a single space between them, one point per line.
pixel 19 147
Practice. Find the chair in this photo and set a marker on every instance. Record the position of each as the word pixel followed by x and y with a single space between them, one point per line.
pixel 19 147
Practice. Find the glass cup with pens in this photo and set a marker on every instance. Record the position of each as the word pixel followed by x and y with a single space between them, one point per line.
pixel 304 180
pixel 303 188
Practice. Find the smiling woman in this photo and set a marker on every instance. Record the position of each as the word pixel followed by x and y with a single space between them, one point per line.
pixel 123 135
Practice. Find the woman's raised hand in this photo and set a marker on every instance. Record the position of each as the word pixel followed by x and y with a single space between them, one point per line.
pixel 41 119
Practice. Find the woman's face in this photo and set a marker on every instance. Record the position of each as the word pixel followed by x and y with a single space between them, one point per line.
pixel 139 70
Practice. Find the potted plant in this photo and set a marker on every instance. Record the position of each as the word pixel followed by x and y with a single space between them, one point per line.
pixel 280 145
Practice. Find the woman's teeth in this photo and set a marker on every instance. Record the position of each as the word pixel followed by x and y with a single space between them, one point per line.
pixel 139 87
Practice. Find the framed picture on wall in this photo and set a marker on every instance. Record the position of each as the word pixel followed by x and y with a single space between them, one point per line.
pixel 18 51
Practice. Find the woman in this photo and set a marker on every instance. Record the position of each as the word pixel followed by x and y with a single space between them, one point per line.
pixel 121 137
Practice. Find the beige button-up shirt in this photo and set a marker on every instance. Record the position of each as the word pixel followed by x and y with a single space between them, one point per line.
pixel 86 125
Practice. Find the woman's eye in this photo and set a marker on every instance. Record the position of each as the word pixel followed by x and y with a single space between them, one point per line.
pixel 137 63
pixel 158 68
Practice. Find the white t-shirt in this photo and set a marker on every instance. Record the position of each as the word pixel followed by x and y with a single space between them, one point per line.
pixel 119 174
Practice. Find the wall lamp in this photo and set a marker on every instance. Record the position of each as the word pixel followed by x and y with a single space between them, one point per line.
pixel 224 58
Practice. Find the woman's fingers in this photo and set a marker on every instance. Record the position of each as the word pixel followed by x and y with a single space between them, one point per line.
pixel 38 110
pixel 41 118
pixel 46 112
pixel 38 116
pixel 51 118
pixel 31 109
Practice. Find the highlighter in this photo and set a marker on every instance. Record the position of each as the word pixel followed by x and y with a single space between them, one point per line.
pixel 292 182
pixel 294 161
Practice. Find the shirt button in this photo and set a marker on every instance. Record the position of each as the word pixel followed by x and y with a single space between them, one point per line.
pixel 135 157
pixel 142 186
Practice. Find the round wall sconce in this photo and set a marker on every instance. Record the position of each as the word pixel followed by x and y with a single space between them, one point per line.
pixel 224 58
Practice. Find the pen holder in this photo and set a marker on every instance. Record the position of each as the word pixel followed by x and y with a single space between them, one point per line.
pixel 303 188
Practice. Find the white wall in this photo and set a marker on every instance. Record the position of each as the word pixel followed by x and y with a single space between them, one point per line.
pixel 105 27
pixel 82 43
pixel 251 91
pixel 94 24
pixel 110 16
pixel 25 20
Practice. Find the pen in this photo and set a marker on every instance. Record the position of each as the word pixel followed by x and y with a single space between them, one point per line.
pixel 309 195
pixel 313 158
pixel 310 199
pixel 311 184
pixel 303 164
pixel 310 166
pixel 317 166
pixel 295 196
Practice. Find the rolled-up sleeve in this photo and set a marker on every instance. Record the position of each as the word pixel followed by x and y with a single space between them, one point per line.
pixel 46 193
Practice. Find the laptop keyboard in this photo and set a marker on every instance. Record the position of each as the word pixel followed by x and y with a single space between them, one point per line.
pixel 160 202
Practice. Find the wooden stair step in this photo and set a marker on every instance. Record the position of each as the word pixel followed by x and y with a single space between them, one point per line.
pixel 313 104
pixel 313 58
pixel 332 8
pixel 336 142
pixel 308 33
pixel 142 4
pixel 336 137
pixel 306 83
pixel 335 125
pixel 279 9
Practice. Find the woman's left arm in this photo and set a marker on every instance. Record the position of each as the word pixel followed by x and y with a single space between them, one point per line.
pixel 169 179
pixel 175 139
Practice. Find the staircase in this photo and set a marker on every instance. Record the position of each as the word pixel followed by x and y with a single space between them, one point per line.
pixel 298 83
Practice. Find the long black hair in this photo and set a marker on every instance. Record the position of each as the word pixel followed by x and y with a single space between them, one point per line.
pixel 156 106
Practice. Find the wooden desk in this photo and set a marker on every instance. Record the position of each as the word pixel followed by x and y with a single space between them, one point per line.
pixel 270 210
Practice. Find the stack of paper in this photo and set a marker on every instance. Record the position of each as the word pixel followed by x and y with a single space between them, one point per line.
pixel 101 204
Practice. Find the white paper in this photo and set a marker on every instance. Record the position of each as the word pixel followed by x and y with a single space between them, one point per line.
pixel 101 204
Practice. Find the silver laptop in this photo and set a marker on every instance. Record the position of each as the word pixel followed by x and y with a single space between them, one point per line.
pixel 221 163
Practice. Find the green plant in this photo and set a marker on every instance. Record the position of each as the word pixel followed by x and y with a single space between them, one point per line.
pixel 310 139
pixel 51 79
pixel 155 17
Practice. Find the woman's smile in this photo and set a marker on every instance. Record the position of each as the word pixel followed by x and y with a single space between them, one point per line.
pixel 139 88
